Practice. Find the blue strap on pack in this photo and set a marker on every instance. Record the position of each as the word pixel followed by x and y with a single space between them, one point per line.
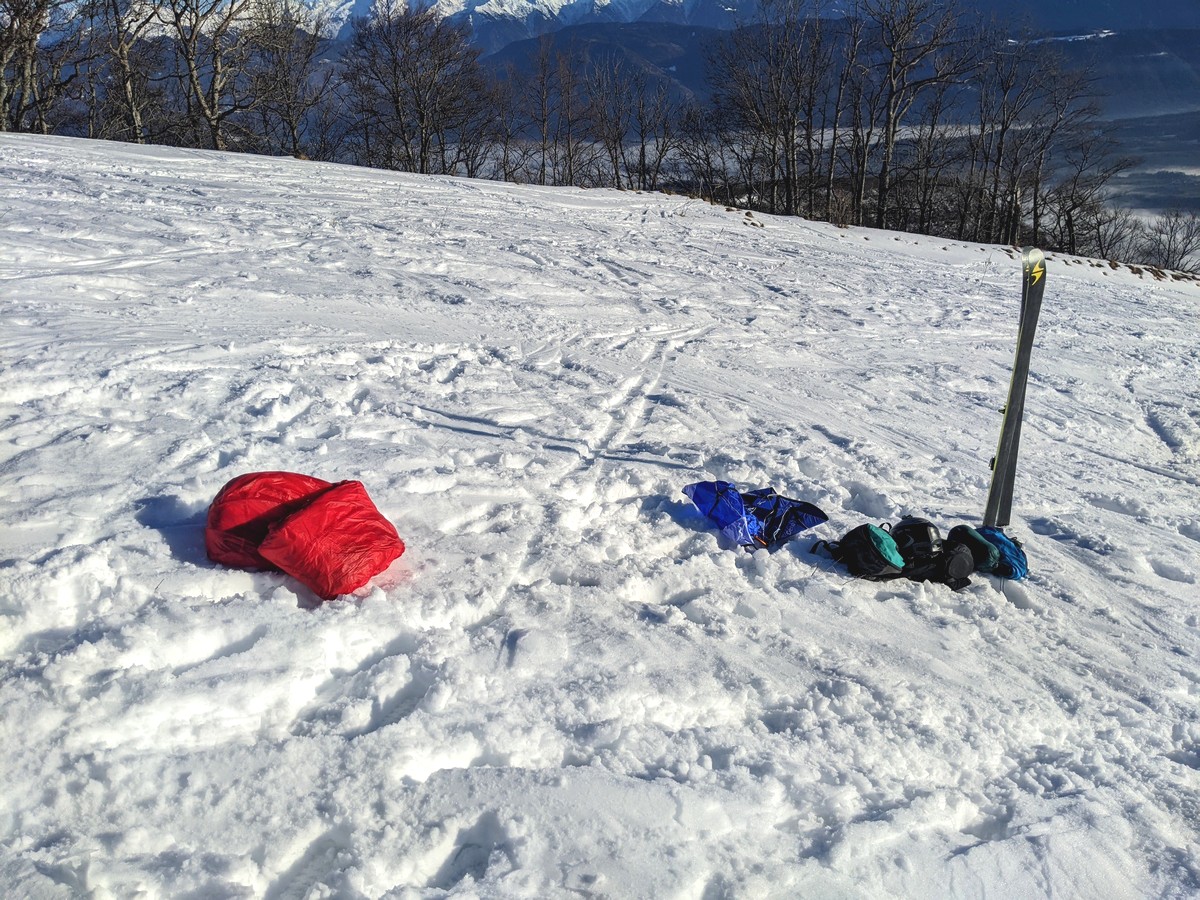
pixel 1013 563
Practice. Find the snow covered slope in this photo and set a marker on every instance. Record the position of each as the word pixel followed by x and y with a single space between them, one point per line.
pixel 570 686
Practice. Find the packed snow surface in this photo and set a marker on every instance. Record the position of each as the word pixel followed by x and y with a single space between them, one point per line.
pixel 570 685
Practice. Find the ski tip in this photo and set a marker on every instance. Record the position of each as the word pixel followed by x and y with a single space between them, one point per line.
pixel 1033 262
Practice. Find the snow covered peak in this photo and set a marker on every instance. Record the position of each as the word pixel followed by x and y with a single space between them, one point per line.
pixel 496 22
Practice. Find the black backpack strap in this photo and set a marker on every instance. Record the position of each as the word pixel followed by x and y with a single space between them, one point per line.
pixel 926 570
pixel 957 584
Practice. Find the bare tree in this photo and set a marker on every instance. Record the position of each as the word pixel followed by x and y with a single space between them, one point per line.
pixel 1010 93
pixel 121 35
pixel 416 89
pixel 211 42
pixel 289 80
pixel 934 150
pixel 1071 110
pixel 609 89
pixel 837 93
pixel 706 155
pixel 1029 104
pixel 1115 232
pixel 576 155
pixel 865 107
pixel 22 24
pixel 1088 166
pixel 513 154
pixel 542 97
pixel 763 75
pixel 653 136
pixel 917 48
pixel 816 115
pixel 1172 241
pixel 41 58
pixel 632 121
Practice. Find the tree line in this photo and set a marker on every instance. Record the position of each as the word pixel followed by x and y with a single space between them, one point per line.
pixel 899 114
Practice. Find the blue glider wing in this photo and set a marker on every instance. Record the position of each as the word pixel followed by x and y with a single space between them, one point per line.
pixel 721 502
pixel 782 518
pixel 760 518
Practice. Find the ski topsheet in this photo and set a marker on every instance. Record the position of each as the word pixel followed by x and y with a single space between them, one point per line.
pixel 1004 464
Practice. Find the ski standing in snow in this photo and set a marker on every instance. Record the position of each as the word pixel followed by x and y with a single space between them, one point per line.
pixel 1004 464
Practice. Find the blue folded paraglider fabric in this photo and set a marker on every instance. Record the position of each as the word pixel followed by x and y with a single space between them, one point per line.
pixel 722 503
pixel 758 518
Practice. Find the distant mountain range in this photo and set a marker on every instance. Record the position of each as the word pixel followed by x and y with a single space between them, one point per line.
pixel 1063 16
pixel 498 23
pixel 1138 73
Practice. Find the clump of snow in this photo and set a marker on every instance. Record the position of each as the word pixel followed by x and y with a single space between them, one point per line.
pixel 570 686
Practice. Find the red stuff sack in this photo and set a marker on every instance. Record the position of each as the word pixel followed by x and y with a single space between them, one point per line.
pixel 336 542
pixel 246 508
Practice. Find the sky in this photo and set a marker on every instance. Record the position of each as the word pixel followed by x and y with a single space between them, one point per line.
pixel 570 684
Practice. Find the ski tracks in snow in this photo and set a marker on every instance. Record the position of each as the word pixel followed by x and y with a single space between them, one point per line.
pixel 617 438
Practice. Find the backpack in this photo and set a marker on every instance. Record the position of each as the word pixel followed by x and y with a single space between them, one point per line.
pixel 868 552
pixel 918 540
pixel 1013 563
pixel 928 558
pixel 956 566
pixel 983 551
